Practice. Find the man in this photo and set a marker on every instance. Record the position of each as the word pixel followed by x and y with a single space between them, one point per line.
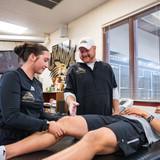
pixel 101 135
pixel 113 133
pixel 90 84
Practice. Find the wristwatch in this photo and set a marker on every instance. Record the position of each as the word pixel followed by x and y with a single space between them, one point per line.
pixel 150 118
pixel 47 127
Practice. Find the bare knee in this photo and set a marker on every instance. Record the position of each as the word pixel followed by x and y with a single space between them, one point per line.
pixel 91 138
pixel 65 121
pixel 73 125
pixel 102 140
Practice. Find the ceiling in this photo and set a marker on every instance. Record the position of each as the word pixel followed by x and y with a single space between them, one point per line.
pixel 40 20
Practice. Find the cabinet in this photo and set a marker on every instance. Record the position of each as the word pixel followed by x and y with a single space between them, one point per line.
pixel 56 95
pixel 59 97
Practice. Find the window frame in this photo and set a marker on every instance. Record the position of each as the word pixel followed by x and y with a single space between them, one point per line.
pixel 132 56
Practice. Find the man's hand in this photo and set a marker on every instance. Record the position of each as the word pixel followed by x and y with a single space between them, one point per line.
pixel 55 129
pixel 73 108
pixel 157 109
pixel 135 111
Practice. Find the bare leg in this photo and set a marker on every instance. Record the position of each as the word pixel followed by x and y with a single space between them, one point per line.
pixel 100 141
pixel 74 126
pixel 35 142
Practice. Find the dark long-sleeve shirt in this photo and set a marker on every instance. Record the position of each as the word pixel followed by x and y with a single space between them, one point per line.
pixel 21 102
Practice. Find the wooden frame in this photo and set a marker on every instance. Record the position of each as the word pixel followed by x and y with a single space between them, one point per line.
pixel 132 60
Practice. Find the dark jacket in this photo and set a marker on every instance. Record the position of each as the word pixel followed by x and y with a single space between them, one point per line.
pixel 21 102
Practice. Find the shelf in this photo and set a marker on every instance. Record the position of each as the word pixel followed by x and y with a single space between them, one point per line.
pixel 59 97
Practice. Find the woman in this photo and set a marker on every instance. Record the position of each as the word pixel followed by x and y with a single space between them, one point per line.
pixel 21 98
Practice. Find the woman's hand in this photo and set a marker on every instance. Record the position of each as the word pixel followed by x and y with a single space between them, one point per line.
pixel 55 129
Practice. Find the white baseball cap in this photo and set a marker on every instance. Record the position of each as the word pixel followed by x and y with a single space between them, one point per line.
pixel 86 43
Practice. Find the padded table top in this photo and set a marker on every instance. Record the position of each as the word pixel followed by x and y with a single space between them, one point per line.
pixel 151 153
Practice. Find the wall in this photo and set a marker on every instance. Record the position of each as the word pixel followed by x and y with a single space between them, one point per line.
pixel 91 23
pixel 8 45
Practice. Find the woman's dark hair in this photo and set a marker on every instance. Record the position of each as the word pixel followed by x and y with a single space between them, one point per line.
pixel 23 51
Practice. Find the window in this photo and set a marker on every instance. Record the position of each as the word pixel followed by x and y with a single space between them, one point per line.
pixel 147 44
pixel 119 56
pixel 133 50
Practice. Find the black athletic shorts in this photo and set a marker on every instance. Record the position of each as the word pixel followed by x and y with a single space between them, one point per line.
pixel 130 133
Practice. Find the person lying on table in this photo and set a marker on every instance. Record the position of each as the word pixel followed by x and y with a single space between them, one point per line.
pixel 100 134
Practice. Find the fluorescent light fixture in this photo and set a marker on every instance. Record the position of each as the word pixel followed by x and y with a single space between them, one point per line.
pixel 11 28
pixel 18 38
